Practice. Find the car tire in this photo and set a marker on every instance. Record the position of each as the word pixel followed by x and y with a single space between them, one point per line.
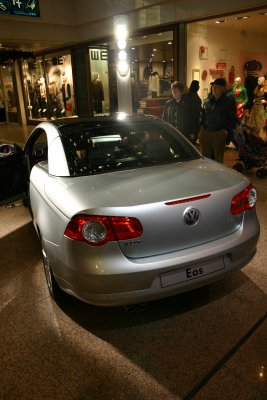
pixel 54 290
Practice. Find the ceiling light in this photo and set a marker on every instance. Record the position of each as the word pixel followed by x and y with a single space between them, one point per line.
pixel 243 17
pixel 220 21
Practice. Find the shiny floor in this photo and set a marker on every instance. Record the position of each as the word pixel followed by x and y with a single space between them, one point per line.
pixel 209 344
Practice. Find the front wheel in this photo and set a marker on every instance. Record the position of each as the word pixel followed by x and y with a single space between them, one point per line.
pixel 54 289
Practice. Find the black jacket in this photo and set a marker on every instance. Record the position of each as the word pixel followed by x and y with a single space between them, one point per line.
pixel 178 114
pixel 219 114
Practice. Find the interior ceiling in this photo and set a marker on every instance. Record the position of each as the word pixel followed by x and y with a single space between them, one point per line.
pixel 256 23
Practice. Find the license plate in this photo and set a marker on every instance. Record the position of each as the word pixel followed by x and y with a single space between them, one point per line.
pixel 196 271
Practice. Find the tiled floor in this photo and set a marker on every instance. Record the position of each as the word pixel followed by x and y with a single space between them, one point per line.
pixel 210 344
pixel 10 133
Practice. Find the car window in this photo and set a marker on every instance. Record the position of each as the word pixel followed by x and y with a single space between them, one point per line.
pixel 36 149
pixel 118 146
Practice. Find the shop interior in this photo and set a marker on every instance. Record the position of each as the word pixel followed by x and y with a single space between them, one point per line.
pixel 228 47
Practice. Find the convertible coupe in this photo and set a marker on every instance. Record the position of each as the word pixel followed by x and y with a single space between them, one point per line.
pixel 127 210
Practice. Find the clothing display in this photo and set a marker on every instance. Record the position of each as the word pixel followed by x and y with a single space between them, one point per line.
pixel 241 98
pixel 66 92
pixel 147 72
pixel 97 94
pixel 52 90
pixel 153 84
pixel 257 115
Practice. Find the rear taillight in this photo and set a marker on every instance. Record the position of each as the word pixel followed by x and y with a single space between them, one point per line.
pixel 98 230
pixel 244 200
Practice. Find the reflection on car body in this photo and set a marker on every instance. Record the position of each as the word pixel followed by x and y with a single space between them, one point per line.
pixel 127 210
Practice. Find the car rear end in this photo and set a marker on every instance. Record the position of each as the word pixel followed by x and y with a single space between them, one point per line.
pixel 135 253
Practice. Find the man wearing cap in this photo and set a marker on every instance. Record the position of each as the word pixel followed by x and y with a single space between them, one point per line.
pixel 218 121
pixel 178 111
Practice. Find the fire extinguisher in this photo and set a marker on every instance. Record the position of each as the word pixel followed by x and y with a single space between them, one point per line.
pixel 231 77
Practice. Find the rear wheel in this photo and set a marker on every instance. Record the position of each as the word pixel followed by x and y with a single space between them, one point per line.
pixel 54 289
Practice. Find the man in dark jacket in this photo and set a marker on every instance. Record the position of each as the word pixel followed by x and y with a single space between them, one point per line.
pixel 218 121
pixel 177 111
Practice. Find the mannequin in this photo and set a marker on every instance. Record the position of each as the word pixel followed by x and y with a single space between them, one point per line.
pixel 97 93
pixel 241 98
pixel 40 93
pixel 66 90
pixel 153 84
pixel 52 90
pixel 257 116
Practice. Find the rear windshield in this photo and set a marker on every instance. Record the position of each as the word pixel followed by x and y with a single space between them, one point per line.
pixel 119 146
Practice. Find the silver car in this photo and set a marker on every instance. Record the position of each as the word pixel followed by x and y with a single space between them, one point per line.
pixel 128 211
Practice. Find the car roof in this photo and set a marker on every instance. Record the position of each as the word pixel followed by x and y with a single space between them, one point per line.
pixel 115 117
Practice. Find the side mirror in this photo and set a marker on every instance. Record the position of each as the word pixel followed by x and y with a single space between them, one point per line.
pixel 7 149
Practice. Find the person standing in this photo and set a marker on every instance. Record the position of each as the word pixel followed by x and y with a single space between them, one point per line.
pixel 177 111
pixel 218 121
pixel 196 107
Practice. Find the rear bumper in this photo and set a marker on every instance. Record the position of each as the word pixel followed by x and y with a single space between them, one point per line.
pixel 112 279
pixel 154 292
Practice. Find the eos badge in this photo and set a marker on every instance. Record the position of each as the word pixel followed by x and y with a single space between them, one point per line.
pixel 191 216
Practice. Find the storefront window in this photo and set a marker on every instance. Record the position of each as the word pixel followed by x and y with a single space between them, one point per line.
pixel 48 87
pixel 59 80
pixel 151 72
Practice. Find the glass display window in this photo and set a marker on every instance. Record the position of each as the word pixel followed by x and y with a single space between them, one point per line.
pixel 151 71
pixel 48 87
pixel 60 96
pixel 151 67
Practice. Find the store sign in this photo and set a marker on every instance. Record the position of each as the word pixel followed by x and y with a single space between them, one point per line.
pixel 28 8
pixel 98 54
pixel 221 65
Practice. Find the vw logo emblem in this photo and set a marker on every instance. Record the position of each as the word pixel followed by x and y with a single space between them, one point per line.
pixel 191 216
